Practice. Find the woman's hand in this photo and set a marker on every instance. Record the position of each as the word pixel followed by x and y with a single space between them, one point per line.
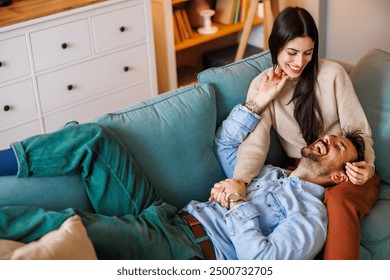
pixel 221 191
pixel 359 172
pixel 271 85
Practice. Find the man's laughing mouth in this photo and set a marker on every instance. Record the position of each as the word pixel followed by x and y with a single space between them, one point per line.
pixel 320 147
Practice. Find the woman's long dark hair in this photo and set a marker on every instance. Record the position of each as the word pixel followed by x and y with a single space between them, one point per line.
pixel 291 23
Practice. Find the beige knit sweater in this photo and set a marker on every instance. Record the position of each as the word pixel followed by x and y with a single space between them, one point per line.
pixel 339 106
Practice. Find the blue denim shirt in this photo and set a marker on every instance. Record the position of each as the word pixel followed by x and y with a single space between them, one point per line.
pixel 284 217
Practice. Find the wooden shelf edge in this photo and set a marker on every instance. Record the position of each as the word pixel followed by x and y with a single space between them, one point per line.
pixel 175 2
pixel 24 10
pixel 223 31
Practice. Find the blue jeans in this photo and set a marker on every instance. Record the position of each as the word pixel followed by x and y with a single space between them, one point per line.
pixel 130 222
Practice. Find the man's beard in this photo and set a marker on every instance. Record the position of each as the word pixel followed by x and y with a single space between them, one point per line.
pixel 306 153
pixel 313 162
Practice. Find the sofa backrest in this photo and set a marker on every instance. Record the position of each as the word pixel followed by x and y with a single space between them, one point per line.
pixel 231 83
pixel 171 136
pixel 371 80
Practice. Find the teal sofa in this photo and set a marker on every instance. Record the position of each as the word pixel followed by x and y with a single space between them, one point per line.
pixel 171 137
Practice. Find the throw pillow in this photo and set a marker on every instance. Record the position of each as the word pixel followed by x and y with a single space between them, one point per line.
pixel 69 242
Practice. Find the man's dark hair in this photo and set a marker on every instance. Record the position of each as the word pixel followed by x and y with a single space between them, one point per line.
pixel 357 140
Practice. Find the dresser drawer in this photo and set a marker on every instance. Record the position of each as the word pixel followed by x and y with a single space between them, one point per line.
pixel 92 78
pixel 14 61
pixel 18 133
pixel 61 44
pixel 87 112
pixel 17 103
pixel 119 28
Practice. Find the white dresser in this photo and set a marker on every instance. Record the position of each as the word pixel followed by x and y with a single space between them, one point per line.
pixel 74 65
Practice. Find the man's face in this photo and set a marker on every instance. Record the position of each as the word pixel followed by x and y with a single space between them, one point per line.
pixel 329 153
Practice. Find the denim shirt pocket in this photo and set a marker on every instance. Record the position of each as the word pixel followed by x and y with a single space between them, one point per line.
pixel 271 212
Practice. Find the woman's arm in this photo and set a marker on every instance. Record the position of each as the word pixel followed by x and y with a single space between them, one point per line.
pixel 352 116
pixel 253 151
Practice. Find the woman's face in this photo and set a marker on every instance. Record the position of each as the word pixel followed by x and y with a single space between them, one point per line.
pixel 294 57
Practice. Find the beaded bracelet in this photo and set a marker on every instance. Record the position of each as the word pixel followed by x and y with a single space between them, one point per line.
pixel 254 107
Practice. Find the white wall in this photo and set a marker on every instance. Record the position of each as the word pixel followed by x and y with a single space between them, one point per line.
pixel 356 26
pixel 348 28
pixel 317 8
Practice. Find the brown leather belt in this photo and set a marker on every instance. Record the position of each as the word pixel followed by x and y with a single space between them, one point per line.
pixel 199 232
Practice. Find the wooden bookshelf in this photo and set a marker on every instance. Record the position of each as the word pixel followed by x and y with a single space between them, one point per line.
pixel 223 31
pixel 175 61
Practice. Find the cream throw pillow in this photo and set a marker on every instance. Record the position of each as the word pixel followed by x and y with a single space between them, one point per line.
pixel 69 242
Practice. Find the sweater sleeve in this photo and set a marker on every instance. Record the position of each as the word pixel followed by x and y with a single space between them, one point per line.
pixel 351 113
pixel 253 150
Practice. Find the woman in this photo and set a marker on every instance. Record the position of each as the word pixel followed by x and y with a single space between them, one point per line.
pixel 304 98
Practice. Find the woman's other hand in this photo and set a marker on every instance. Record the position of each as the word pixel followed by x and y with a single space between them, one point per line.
pixel 359 172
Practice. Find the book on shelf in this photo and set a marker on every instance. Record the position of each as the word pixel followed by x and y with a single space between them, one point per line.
pixel 244 8
pixel 183 25
pixel 236 11
pixel 187 23
pixel 224 11
pixel 231 11
pixel 176 33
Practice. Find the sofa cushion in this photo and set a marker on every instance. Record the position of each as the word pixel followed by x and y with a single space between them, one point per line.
pixel 171 137
pixel 375 228
pixel 231 83
pixel 371 79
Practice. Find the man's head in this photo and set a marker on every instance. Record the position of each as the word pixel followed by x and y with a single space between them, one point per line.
pixel 326 158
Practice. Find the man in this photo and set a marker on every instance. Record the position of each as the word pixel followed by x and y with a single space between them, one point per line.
pixel 280 215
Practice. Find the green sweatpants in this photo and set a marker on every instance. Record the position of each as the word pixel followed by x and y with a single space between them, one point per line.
pixel 130 222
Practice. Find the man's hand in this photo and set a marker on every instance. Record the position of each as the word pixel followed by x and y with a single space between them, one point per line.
pixel 223 189
pixel 359 172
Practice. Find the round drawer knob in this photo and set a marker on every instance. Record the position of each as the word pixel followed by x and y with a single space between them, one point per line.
pixel 6 108
pixel 69 87
pixel 122 29
pixel 64 46
pixel 126 68
pixel 1 64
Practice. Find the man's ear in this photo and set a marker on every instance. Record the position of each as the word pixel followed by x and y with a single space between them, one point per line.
pixel 339 177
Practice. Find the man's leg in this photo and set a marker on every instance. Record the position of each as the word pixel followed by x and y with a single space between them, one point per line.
pixel 155 234
pixel 347 204
pixel 113 181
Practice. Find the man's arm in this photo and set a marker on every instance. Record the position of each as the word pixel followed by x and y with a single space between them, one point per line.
pixel 263 89
pixel 233 130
